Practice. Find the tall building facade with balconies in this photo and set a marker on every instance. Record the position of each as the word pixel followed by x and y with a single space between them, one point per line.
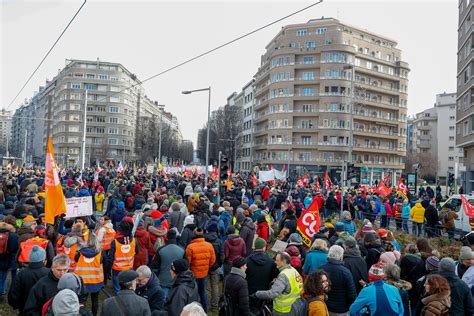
pixel 425 131
pixel 5 130
pixel 465 92
pixel 303 93
pixel 113 114
pixel 245 139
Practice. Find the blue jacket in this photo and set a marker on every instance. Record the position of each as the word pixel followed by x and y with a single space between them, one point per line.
pixel 349 226
pixel 83 192
pixel 153 292
pixel 224 221
pixel 307 201
pixel 314 259
pixel 381 299
pixel 377 207
pixel 117 215
pixel 406 211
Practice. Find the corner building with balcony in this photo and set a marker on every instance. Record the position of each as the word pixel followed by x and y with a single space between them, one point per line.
pixel 303 96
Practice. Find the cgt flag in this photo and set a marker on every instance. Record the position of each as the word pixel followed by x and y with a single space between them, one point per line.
pixel 467 207
pixel 309 222
pixel 383 190
pixel 55 204
pixel 402 189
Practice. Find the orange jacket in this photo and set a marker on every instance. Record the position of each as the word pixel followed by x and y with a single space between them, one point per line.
pixel 201 257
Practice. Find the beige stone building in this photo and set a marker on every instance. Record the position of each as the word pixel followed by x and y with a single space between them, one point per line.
pixel 303 93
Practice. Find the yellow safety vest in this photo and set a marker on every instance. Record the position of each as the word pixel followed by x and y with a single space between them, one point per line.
pixel 282 303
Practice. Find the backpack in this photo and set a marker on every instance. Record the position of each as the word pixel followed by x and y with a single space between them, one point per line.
pixel 301 305
pixel 47 309
pixel 225 303
pixel 3 243
pixel 160 241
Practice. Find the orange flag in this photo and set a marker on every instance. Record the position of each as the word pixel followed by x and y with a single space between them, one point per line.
pixel 55 203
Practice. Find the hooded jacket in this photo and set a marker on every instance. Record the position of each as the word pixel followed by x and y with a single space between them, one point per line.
pixel 436 304
pixel 201 257
pixel 153 293
pixel 461 298
pixel 12 246
pixel 349 226
pixel 187 235
pixel 183 292
pixel 378 303
pixel 261 270
pixel 237 288
pixel 164 256
pixel 213 239
pixel 247 232
pixel 234 246
pixel 225 219
pixel 117 215
pixel 24 281
pixel 357 265
pixel 315 258
pixel 142 237
pixel 343 292
pixel 40 293
pixel 90 253
pixel 417 213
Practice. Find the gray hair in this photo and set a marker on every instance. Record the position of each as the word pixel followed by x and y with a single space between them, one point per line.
pixel 284 256
pixel 144 271
pixel 93 242
pixel 392 271
pixel 193 309
pixel 336 252
pixel 61 260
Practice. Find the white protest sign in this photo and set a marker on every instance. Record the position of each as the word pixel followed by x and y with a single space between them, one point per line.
pixel 279 246
pixel 149 169
pixel 80 206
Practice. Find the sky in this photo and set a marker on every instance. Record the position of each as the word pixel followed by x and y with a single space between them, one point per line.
pixel 148 37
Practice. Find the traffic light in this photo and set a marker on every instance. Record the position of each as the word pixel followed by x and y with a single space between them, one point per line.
pixel 224 168
pixel 450 179
pixel 351 172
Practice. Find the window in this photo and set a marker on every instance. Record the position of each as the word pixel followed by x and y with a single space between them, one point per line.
pixel 103 77
pixel 75 85
pixel 369 65
pixel 113 130
pixel 306 140
pixel 451 138
pixel 451 158
pixel 307 108
pixel 308 60
pixel 73 128
pixel 306 124
pixel 73 139
pixel 75 107
pixel 301 32
pixel 112 141
pixel 90 86
pixel 308 75
pixel 451 148
pixel 90 76
pixel 452 118
pixel 293 44
pixel 308 91
pixel 114 99
pixel 113 109
pixel 321 30
pixel 310 44
pixel 451 128
pixel 113 120
pixel 305 156
pixel 465 130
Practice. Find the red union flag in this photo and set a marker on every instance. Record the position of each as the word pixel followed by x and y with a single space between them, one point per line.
pixel 468 208
pixel 300 182
pixel 309 222
pixel 327 181
pixel 382 190
pixel 402 189
pixel 318 188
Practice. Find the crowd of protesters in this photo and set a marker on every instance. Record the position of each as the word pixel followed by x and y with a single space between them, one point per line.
pixel 165 243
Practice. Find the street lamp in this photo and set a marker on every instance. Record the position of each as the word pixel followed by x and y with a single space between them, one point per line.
pixel 208 127
pixel 161 129
pixel 351 113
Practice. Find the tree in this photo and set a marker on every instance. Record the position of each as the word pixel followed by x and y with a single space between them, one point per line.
pixel 428 162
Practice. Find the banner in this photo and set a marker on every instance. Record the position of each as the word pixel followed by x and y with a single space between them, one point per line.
pixel 383 190
pixel 467 207
pixel 149 169
pixel 264 176
pixel 80 206
pixel 54 197
pixel 309 222
pixel 279 175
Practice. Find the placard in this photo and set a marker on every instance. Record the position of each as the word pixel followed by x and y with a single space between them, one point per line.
pixel 80 206
pixel 279 246
pixel 149 169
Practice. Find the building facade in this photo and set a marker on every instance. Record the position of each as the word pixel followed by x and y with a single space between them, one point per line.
pixel 245 139
pixel 113 113
pixel 465 91
pixel 425 131
pixel 303 93
pixel 5 130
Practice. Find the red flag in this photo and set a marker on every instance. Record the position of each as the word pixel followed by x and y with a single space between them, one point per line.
pixel 385 180
pixel 363 189
pixel 300 182
pixel 318 188
pixel 229 172
pixel 467 207
pixel 254 180
pixel 309 222
pixel 402 189
pixel 383 190
pixel 327 181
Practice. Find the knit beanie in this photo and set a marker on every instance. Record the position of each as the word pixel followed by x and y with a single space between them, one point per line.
pixel 466 253
pixel 198 231
pixel 293 251
pixel 211 226
pixel 370 238
pixel 388 258
pixel 70 281
pixel 179 266
pixel 65 303
pixel 37 254
pixel 172 234
pixel 188 220
pixel 447 264
pixel 339 227
pixel 260 243
pixel 432 263
pixel 238 262
pixel 350 243
pixel 345 213
pixel 295 239
pixel 376 273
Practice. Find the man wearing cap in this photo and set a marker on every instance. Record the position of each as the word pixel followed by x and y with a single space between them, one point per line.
pixel 461 298
pixel 26 278
pixel 285 289
pixel 184 290
pixel 466 259
pixel 127 302
pixel 261 270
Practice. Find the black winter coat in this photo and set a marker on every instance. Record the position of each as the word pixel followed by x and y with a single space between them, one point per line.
pixel 431 215
pixel 12 246
pixel 261 270
pixel 412 268
pixel 133 304
pixel 153 293
pixel 343 291
pixel 218 245
pixel 236 287
pixel 183 292
pixel 461 299
pixel 357 266
pixel 40 293
pixel 373 254
pixel 331 203
pixel 24 281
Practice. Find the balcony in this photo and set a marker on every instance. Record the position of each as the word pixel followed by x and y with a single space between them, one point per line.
pixel 382 134
pixel 378 88
pixel 379 118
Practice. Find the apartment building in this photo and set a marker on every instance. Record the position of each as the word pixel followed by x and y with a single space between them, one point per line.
pixel 303 93
pixel 465 92
pixel 245 139
pixel 5 128
pixel 425 133
pixel 113 113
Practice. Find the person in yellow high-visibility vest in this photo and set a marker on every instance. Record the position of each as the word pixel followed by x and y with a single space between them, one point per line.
pixel 286 289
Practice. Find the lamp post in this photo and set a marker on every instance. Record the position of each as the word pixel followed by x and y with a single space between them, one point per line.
pixel 206 174
pixel 161 129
